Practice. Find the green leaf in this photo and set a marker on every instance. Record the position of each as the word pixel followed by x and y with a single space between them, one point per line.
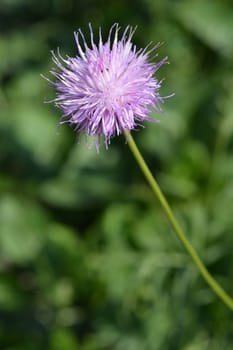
pixel 22 229
pixel 211 21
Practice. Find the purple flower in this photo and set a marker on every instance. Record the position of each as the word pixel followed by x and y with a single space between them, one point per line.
pixel 107 87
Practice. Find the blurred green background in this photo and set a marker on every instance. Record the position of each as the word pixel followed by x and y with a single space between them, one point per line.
pixel 87 258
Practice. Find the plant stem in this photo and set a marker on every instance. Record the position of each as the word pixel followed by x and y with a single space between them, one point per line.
pixel 216 288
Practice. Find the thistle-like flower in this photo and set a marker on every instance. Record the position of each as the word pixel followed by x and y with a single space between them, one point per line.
pixel 108 87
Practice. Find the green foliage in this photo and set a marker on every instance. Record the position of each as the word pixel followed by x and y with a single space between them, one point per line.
pixel 87 258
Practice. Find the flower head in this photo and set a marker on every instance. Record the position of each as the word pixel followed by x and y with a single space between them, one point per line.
pixel 108 87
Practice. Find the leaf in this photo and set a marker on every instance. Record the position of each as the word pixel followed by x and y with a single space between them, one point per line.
pixel 211 21
pixel 22 229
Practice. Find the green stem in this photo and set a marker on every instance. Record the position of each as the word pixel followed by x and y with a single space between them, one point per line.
pixel 216 288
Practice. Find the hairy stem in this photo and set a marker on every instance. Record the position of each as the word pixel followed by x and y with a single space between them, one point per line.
pixel 216 288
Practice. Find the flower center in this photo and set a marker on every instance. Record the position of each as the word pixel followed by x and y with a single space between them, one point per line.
pixel 111 91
